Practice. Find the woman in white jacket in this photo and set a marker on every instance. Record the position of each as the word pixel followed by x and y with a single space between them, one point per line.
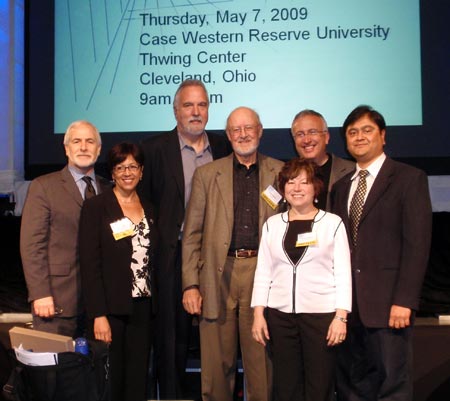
pixel 302 289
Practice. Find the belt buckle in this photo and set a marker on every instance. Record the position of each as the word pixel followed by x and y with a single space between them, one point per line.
pixel 237 254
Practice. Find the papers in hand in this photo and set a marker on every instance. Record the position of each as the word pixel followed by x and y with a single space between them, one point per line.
pixel 31 358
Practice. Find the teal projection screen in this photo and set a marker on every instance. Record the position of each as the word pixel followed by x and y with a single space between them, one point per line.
pixel 118 63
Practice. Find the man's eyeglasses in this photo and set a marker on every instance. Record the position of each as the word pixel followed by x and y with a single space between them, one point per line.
pixel 131 167
pixel 311 132
pixel 248 129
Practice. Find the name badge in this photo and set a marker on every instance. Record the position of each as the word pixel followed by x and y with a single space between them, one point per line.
pixel 122 228
pixel 306 239
pixel 271 196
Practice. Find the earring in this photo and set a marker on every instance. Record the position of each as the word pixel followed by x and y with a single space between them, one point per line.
pixel 316 200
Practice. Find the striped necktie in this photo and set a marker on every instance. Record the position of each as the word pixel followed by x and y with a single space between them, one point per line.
pixel 357 204
pixel 89 192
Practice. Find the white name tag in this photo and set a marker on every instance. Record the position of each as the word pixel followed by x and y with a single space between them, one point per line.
pixel 122 228
pixel 271 196
pixel 306 239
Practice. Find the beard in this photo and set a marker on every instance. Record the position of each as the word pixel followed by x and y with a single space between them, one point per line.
pixel 245 151
pixel 193 129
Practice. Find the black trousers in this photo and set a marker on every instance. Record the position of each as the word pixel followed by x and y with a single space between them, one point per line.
pixel 129 352
pixel 172 335
pixel 375 364
pixel 303 364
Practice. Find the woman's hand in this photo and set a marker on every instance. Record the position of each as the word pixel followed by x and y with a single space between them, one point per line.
pixel 102 329
pixel 260 331
pixel 337 331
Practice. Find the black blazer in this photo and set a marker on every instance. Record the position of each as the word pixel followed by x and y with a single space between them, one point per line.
pixel 163 185
pixel 394 235
pixel 106 276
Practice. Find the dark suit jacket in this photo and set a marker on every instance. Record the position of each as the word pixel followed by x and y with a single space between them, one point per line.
pixel 339 168
pixel 394 235
pixel 163 185
pixel 49 239
pixel 209 225
pixel 105 263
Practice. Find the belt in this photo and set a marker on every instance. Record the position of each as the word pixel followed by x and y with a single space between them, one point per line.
pixel 243 253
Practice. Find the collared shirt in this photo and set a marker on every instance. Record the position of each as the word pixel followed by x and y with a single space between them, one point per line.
pixel 373 169
pixel 78 177
pixel 191 160
pixel 246 206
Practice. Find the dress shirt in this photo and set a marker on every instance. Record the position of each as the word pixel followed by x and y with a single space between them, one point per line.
pixel 78 177
pixel 373 169
pixel 191 160
pixel 245 206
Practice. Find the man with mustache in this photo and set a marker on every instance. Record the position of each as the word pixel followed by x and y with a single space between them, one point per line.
pixel 220 246
pixel 49 233
pixel 170 161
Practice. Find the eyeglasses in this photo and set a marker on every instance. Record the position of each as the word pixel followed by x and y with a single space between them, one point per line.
pixel 367 130
pixel 131 167
pixel 248 129
pixel 311 132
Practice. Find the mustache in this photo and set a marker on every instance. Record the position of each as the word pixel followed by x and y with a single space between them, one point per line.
pixel 243 139
pixel 196 119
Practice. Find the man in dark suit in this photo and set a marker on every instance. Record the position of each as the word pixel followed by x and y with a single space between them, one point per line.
pixel 220 246
pixel 170 162
pixel 311 137
pixel 49 233
pixel 386 208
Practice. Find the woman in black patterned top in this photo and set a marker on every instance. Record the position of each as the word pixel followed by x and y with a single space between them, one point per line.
pixel 117 239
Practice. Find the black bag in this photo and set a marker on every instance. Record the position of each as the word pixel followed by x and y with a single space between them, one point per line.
pixel 76 377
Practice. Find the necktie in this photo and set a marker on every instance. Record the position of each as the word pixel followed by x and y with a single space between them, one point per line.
pixel 89 192
pixel 357 203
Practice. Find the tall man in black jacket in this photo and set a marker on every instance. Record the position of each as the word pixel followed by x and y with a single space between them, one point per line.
pixel 170 161
pixel 386 208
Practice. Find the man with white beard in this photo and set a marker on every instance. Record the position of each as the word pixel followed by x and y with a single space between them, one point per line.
pixel 231 199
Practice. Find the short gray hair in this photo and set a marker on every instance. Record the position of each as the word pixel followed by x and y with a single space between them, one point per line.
pixel 186 83
pixel 309 112
pixel 78 123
